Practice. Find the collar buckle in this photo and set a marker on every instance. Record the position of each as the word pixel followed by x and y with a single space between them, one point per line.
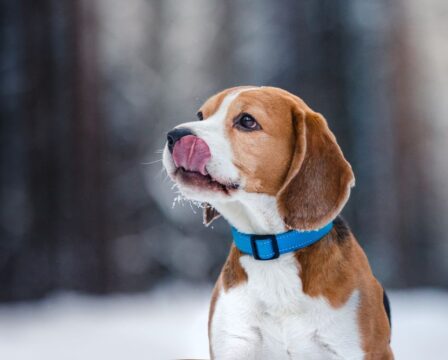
pixel 274 244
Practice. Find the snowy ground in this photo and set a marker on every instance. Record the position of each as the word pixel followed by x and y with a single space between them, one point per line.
pixel 171 323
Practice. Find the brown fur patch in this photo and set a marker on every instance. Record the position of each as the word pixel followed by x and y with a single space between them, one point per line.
pixel 233 273
pixel 335 267
pixel 373 322
pixel 262 157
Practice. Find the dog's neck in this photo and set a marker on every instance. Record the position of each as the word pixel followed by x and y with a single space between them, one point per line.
pixel 252 214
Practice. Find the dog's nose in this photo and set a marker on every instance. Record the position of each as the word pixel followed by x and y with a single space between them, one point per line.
pixel 174 135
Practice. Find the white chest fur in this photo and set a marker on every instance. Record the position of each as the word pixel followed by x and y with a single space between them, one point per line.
pixel 269 317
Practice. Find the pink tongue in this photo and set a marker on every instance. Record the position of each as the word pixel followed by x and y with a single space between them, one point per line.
pixel 191 153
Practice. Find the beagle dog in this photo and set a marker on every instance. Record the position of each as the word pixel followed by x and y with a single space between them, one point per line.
pixel 296 283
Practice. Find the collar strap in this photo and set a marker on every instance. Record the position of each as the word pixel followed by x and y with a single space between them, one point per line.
pixel 268 247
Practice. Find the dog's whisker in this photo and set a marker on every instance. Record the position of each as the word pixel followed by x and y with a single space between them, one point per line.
pixel 177 200
pixel 159 175
pixel 166 174
pixel 180 199
pixel 151 162
pixel 191 207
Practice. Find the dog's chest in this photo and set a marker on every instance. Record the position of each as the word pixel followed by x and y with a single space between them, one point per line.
pixel 289 323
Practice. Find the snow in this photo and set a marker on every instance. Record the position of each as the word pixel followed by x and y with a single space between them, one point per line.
pixel 171 322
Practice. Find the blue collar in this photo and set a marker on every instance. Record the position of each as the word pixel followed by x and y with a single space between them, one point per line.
pixel 268 247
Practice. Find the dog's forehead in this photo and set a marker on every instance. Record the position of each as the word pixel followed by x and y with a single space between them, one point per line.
pixel 245 97
pixel 213 103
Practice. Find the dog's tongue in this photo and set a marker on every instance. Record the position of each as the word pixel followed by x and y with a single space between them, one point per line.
pixel 191 153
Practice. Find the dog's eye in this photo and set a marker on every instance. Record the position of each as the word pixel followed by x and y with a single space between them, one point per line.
pixel 247 123
pixel 200 115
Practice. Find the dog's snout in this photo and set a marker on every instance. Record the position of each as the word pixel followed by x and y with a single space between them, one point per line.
pixel 176 134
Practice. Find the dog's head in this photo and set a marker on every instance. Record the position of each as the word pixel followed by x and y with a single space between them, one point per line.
pixel 261 140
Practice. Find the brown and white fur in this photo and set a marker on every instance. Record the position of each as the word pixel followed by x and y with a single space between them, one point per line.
pixel 321 302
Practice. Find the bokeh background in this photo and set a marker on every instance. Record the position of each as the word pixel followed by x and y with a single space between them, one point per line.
pixel 89 89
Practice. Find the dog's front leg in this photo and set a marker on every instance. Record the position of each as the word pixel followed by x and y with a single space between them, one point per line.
pixel 234 330
pixel 232 346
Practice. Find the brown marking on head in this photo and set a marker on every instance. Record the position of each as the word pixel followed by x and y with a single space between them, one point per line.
pixel 293 156
pixel 262 156
pixel 212 104
pixel 334 268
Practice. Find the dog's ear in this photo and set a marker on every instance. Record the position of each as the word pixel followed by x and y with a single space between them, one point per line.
pixel 209 213
pixel 319 179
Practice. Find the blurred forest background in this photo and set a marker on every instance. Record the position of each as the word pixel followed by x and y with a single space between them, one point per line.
pixel 89 89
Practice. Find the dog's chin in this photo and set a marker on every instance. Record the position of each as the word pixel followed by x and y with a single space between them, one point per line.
pixel 199 187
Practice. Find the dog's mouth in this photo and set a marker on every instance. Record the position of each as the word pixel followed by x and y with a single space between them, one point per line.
pixel 201 181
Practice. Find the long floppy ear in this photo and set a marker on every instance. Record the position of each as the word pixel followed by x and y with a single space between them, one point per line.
pixel 318 183
pixel 209 214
